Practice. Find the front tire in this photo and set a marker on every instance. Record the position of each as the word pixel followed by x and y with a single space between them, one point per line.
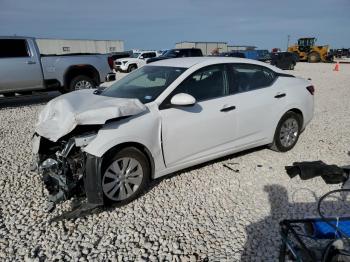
pixel 287 132
pixel 314 57
pixel 132 68
pixel 125 175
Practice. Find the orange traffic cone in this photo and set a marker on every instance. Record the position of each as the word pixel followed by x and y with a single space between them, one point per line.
pixel 336 68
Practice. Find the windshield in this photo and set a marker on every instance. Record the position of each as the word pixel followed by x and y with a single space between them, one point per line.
pixel 135 55
pixel 145 84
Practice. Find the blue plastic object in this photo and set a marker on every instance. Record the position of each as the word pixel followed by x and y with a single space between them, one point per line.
pixel 322 230
pixel 256 54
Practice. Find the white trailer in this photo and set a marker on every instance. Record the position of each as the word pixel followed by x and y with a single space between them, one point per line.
pixel 70 46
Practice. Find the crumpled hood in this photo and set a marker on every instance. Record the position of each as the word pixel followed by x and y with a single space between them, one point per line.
pixel 62 114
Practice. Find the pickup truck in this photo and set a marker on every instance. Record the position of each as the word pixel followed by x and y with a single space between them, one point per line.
pixel 137 60
pixel 23 69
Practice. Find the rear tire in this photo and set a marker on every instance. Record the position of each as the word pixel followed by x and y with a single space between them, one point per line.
pixel 287 132
pixel 81 82
pixel 313 57
pixel 125 175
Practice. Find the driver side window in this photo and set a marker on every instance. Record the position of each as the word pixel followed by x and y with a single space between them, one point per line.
pixel 207 83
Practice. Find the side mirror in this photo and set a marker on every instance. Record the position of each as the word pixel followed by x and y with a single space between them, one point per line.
pixel 182 99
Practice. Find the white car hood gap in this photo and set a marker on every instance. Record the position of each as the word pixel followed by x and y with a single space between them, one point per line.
pixel 62 114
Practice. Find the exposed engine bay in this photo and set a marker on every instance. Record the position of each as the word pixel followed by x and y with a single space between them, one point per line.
pixel 62 165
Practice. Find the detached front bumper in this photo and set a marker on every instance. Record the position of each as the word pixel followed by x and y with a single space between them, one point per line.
pixel 92 182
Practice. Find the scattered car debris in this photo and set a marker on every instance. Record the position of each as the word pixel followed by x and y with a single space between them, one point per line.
pixel 234 170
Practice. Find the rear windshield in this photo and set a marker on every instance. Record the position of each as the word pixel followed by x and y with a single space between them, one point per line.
pixel 145 84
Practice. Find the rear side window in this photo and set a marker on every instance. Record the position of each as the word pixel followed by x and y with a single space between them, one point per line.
pixel 10 48
pixel 248 77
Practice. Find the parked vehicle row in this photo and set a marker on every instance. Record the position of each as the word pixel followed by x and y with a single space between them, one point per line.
pixel 164 117
pixel 260 55
pixel 177 53
pixel 340 53
pixel 24 69
pixel 140 58
pixel 282 60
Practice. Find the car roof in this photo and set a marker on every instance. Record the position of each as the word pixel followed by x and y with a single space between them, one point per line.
pixel 141 52
pixel 187 62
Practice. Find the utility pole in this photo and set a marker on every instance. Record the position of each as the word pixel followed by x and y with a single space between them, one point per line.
pixel 288 38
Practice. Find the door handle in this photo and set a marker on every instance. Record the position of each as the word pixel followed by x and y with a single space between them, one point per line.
pixel 31 62
pixel 229 108
pixel 280 95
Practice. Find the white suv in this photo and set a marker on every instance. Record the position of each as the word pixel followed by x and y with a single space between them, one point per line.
pixel 137 60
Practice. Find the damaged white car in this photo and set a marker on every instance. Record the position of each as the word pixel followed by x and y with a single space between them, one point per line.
pixel 169 115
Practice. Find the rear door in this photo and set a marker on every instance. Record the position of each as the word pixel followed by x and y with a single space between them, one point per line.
pixel 20 68
pixel 257 100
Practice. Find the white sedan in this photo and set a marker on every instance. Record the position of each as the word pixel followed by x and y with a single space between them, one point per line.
pixel 162 118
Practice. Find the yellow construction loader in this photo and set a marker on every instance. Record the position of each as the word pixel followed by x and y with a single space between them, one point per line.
pixel 306 50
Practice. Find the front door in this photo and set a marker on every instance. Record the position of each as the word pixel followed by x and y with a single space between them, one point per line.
pixel 209 127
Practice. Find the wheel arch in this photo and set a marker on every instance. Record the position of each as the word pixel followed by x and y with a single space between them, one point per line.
pixel 137 145
pixel 298 112
pixel 77 70
pixel 294 110
pixel 133 64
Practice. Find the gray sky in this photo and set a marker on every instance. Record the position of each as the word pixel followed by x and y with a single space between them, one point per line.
pixel 159 24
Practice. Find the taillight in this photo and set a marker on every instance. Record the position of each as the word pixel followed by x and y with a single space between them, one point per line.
pixel 311 89
pixel 110 62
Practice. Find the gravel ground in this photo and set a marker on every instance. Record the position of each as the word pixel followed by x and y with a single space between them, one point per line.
pixel 208 212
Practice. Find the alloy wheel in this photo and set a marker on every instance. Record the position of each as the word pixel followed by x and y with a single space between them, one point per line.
pixel 83 84
pixel 122 179
pixel 289 132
